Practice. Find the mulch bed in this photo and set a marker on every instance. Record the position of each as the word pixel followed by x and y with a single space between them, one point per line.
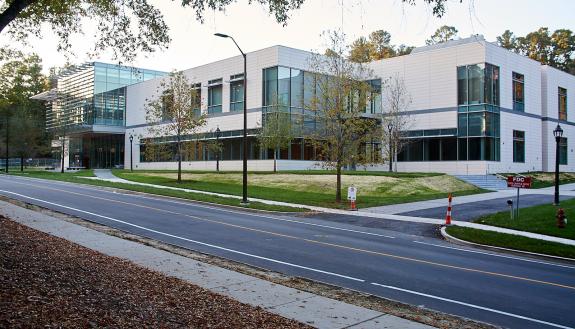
pixel 49 282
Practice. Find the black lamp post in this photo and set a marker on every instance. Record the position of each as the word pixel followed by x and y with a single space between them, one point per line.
pixel 218 133
pixel 131 156
pixel 245 139
pixel 558 133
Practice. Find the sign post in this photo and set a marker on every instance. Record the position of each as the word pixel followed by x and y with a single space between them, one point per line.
pixel 351 196
pixel 518 182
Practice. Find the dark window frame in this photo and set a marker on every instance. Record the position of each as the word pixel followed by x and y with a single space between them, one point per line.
pixel 562 100
pixel 518 146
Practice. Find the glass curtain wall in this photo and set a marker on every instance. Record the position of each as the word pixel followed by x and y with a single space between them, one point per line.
pixel 110 81
pixel 293 91
pixel 478 112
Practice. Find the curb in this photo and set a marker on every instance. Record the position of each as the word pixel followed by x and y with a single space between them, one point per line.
pixel 461 242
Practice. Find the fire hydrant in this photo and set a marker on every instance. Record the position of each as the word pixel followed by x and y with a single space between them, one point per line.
pixel 560 218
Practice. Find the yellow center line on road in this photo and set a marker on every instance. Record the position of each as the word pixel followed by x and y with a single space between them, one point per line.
pixel 334 245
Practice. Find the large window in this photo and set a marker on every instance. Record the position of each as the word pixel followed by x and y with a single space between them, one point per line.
pixel 167 104
pixel 215 96
pixel 518 146
pixel 196 99
pixel 563 151
pixel 518 92
pixel 478 117
pixel 373 105
pixel 290 90
pixel 237 92
pixel 562 92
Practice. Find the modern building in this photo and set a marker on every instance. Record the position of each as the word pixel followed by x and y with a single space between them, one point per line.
pixel 476 108
pixel 87 110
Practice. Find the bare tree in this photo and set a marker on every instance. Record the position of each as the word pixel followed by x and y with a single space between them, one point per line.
pixel 339 105
pixel 172 112
pixel 276 133
pixel 395 119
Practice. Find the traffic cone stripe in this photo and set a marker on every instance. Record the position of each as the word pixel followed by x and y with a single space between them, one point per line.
pixel 448 215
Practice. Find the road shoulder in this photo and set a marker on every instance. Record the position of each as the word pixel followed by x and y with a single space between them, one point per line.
pixel 291 303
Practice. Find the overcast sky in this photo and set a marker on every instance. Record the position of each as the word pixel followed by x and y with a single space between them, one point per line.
pixel 194 44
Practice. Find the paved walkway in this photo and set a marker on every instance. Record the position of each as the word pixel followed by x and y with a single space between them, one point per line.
pixel 315 310
pixel 567 189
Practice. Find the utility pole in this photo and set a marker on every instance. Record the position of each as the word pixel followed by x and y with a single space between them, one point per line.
pixel 7 141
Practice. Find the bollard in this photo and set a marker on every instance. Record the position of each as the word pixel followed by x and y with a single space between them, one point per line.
pixel 448 215
pixel 510 204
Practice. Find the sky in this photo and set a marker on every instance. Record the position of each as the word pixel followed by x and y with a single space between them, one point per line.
pixel 253 28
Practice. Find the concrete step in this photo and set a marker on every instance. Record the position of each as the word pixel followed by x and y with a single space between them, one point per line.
pixel 487 182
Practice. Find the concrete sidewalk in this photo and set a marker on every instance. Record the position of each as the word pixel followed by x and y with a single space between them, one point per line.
pixel 106 175
pixel 566 190
pixel 317 311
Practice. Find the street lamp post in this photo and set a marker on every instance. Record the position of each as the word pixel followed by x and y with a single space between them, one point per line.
pixel 245 139
pixel 218 133
pixel 131 155
pixel 558 133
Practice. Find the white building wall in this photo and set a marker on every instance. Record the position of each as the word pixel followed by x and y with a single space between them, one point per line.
pixel 431 80
pixel 552 79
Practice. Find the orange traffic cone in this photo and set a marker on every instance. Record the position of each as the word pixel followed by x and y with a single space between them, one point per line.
pixel 448 216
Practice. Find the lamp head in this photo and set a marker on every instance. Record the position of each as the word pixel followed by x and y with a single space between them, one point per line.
pixel 131 138
pixel 558 132
pixel 221 35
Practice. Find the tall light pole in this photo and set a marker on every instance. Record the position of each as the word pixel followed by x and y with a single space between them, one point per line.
pixel 245 141
pixel 131 156
pixel 7 142
pixel 218 133
pixel 558 133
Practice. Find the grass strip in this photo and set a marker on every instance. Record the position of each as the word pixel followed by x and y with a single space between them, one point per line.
pixel 537 219
pixel 76 177
pixel 511 241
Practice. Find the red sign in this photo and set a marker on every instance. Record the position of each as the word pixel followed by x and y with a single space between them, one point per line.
pixel 518 181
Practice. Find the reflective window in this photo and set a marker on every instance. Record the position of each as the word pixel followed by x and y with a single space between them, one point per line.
pixel 518 146
pixel 562 92
pixel 270 86
pixel 237 95
pixel 518 92
pixel 196 99
pixel 215 99
pixel 563 152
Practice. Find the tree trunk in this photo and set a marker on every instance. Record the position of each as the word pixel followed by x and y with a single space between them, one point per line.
pixel 179 161
pixel 338 185
pixel 21 162
pixel 275 160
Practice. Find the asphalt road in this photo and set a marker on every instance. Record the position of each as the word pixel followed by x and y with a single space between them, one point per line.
pixel 500 289
pixel 472 210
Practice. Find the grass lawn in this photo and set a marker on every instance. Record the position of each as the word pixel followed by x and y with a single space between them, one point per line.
pixel 316 188
pixel 537 219
pixel 76 177
pixel 512 241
